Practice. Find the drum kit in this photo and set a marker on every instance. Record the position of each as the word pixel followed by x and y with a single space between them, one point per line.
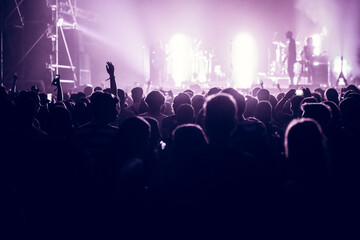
pixel 278 64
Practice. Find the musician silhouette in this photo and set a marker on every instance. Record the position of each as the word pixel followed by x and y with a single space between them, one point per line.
pixel 291 57
pixel 307 61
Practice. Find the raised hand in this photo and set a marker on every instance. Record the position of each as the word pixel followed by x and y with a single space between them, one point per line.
pixel 110 68
pixel 307 92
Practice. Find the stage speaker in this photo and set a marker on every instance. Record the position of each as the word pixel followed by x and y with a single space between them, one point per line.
pixel 320 74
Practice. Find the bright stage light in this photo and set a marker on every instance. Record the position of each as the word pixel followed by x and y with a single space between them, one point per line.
pixel 243 58
pixel 180 62
pixel 60 22
pixel 337 67
pixel 317 44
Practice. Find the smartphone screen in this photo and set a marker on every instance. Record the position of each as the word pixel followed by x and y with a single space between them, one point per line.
pixel 49 96
pixel 299 92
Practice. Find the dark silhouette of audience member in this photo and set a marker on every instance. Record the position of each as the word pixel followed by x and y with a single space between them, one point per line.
pixel 220 118
pixel 197 102
pixel 240 102
pixel 88 90
pixel 171 122
pixel 319 112
pixel 250 109
pixel 95 136
pixel 125 113
pixel 332 95
pixel 137 96
pixel 308 100
pixel 263 112
pixel 60 123
pixel 155 100
pixel 317 96
pixel 350 109
pixel 189 92
pixel 308 190
pixel 213 91
pixel 188 136
pixel 263 95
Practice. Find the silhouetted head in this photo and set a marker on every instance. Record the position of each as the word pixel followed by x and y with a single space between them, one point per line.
pixel 26 107
pixel 137 94
pixel 60 122
pixel 263 95
pixel 305 147
pixel 97 89
pixel 103 106
pixel 185 114
pixel 321 92
pixel 308 100
pixel 181 98
pixel 189 92
pixel 295 103
pixel 354 95
pixel 133 137
pixel 332 94
pixel 273 101
pixel 289 34
pixel 317 96
pixel 250 109
pixel 188 136
pixel 155 99
pixel 122 97
pixel 81 95
pixel 335 111
pixel 239 98
pixel 255 91
pixel 352 87
pixel 317 111
pixel 280 96
pixel 220 117
pixel 88 90
pixel 263 111
pixel 155 135
pixel 197 102
pixel 213 91
pixel 350 109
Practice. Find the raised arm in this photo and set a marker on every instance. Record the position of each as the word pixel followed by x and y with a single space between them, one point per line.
pixel 56 82
pixel 279 107
pixel 110 70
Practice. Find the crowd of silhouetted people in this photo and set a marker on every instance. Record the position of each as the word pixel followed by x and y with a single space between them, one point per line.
pixel 100 164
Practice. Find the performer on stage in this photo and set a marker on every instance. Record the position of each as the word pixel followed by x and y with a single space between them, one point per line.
pixel 307 55
pixel 291 56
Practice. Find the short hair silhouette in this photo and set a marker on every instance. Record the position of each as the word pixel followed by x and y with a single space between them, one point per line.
pixel 185 114
pixel 239 98
pixel 137 94
pixel 181 98
pixel 331 94
pixel 263 111
pixel 220 116
pixel 103 106
pixel 188 136
pixel 350 109
pixel 318 111
pixel 263 95
pixel 197 102
pixel 305 146
pixel 155 99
